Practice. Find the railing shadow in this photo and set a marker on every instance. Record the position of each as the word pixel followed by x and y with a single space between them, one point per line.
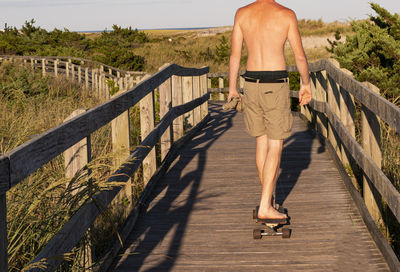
pixel 164 217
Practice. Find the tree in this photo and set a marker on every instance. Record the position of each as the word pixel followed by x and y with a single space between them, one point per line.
pixel 372 53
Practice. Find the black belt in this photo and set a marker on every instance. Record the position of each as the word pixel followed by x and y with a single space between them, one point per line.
pixel 265 80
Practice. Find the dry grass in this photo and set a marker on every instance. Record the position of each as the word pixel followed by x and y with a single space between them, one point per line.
pixel 40 205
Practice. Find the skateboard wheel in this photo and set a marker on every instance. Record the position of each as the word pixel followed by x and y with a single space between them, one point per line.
pixel 286 233
pixel 257 234
pixel 254 214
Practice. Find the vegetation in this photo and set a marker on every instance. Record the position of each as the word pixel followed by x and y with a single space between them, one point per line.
pixel 372 53
pixel 115 48
pixel 39 206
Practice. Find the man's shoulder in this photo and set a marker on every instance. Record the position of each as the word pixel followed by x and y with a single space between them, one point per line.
pixel 285 10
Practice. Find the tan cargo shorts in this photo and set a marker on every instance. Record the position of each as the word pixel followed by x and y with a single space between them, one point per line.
pixel 267 109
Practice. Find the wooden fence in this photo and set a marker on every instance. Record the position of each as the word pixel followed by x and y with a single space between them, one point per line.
pixel 95 76
pixel 335 94
pixel 183 92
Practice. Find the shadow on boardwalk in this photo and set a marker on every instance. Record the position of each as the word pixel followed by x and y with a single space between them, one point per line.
pixel 162 217
pixel 296 157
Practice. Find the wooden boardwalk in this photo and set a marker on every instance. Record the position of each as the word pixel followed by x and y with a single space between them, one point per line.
pixel 200 217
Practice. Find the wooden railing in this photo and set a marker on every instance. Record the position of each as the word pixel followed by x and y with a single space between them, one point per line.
pixel 183 92
pixel 93 75
pixel 335 94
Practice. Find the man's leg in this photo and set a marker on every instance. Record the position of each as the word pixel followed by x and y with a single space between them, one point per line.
pixel 271 151
pixel 261 155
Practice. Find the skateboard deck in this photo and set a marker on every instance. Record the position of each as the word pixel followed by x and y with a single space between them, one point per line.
pixel 273 227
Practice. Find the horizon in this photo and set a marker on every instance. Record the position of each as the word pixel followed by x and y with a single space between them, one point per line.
pixel 92 15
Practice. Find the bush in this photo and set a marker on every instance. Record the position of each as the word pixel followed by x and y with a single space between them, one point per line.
pixel 372 53
pixel 114 48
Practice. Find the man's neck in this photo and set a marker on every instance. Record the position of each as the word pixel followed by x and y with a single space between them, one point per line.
pixel 270 1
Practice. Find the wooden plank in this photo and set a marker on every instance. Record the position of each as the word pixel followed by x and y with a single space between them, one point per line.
pixel 55 141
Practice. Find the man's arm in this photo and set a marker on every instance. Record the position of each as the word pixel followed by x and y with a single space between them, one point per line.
pixel 301 60
pixel 234 60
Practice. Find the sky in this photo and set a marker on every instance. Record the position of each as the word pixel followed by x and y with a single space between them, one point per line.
pixel 89 15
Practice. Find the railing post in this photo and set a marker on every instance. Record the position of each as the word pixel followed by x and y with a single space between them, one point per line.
pixel 314 95
pixel 146 126
pixel 67 69
pixel 87 78
pixel 73 72
pixel 187 87
pixel 75 158
pixel 3 233
pixel 93 81
pixel 221 95
pixel 165 90
pixel 177 100
pixel 101 87
pixel 371 138
pixel 43 67
pixel 347 110
pixel 32 64
pixel 333 101
pixel 120 129
pixel 322 122
pixel 196 94
pixel 96 85
pixel 79 74
pixel 209 83
pixel 203 91
pixel 55 68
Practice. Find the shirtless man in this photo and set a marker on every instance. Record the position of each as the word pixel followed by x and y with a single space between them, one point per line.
pixel 265 26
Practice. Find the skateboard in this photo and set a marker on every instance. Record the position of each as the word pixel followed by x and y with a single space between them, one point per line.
pixel 273 227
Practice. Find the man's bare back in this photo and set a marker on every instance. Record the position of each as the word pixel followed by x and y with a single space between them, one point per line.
pixel 265 26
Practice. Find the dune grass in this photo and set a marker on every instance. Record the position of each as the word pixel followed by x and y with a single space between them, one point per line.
pixel 40 205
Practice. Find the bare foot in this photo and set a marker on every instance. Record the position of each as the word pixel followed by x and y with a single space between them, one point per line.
pixel 270 213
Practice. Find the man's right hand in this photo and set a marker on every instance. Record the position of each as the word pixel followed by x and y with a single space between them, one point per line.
pixel 305 94
pixel 233 93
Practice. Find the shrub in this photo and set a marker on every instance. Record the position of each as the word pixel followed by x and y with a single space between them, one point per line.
pixel 372 53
